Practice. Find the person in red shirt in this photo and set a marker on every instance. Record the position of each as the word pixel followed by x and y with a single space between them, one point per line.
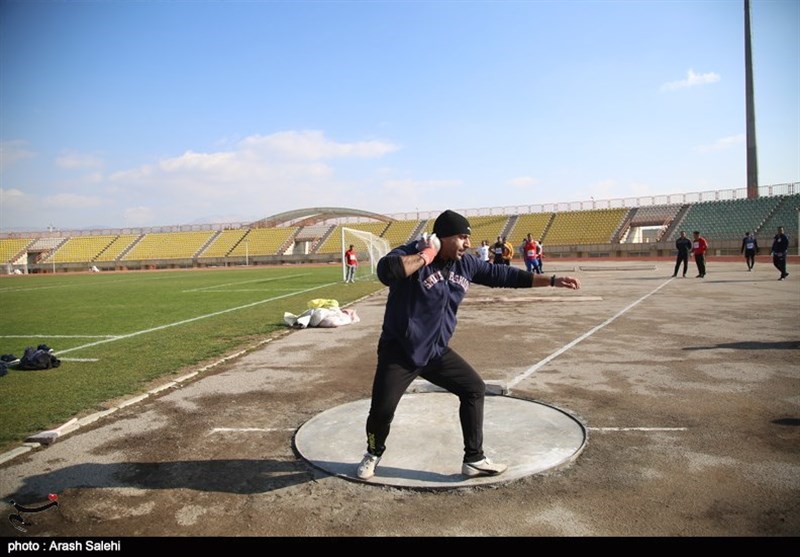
pixel 699 247
pixel 351 263
pixel 531 251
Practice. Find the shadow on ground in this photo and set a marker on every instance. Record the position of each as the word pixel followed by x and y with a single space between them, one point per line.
pixel 751 345
pixel 225 476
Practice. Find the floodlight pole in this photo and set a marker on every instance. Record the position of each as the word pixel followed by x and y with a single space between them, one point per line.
pixel 750 111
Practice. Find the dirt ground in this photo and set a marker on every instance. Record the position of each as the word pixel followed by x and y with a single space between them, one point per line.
pixel 689 390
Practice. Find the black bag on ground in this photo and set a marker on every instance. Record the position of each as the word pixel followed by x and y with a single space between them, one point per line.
pixel 36 358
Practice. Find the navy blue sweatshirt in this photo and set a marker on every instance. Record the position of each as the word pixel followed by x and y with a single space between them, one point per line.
pixel 421 308
pixel 780 244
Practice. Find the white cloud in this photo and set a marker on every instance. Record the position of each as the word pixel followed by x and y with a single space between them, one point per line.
pixel 259 174
pixel 396 196
pixel 140 216
pixel 722 144
pixel 11 195
pixel 12 202
pixel 639 189
pixel 133 174
pixel 73 159
pixel 73 201
pixel 692 79
pixel 523 181
pixel 204 162
pixel 420 186
pixel 12 151
pixel 255 162
pixel 312 145
pixel 604 189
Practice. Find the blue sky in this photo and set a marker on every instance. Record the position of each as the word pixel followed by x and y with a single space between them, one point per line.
pixel 131 114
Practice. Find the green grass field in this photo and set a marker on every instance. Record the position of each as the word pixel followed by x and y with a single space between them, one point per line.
pixel 116 332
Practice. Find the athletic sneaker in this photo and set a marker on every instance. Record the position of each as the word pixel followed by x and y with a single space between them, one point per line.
pixel 483 467
pixel 367 467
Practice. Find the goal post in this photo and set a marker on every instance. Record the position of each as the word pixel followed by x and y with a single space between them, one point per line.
pixel 369 249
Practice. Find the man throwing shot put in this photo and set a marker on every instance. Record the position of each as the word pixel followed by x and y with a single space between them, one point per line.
pixel 427 281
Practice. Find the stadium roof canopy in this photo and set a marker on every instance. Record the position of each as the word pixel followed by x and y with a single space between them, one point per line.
pixel 313 215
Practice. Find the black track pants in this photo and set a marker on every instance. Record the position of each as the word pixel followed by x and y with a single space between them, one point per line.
pixel 395 373
pixel 779 261
pixel 700 259
pixel 750 258
pixel 684 259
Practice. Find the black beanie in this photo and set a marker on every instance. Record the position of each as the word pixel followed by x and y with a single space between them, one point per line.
pixel 451 223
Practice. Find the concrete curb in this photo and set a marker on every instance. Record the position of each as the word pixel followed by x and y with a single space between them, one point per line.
pixel 50 436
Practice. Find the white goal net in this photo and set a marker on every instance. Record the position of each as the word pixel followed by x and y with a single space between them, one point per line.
pixel 369 249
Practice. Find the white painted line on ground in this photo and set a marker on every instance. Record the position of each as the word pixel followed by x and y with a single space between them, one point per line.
pixel 620 268
pixel 58 336
pixel 193 319
pixel 79 359
pixel 603 429
pixel 229 290
pixel 534 368
pixel 204 288
pixel 509 299
pixel 250 429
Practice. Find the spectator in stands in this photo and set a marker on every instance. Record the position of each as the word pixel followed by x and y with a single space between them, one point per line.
pixel 780 249
pixel 684 246
pixel 749 249
pixel 351 264
pixel 497 250
pixel 427 282
pixel 699 247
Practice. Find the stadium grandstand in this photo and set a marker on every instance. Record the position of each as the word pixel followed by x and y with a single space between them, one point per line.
pixel 642 227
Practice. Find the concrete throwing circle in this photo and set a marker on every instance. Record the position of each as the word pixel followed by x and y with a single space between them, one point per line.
pixel 425 447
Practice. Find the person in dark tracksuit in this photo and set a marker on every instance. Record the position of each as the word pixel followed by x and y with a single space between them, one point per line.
pixel 684 246
pixel 780 249
pixel 497 251
pixel 749 249
pixel 427 281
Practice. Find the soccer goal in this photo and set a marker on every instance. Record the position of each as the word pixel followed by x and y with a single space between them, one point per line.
pixel 369 247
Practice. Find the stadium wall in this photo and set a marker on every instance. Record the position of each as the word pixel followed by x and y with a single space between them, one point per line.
pixel 611 250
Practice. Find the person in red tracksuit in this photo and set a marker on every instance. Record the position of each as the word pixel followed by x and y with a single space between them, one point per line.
pixel 699 247
pixel 351 264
